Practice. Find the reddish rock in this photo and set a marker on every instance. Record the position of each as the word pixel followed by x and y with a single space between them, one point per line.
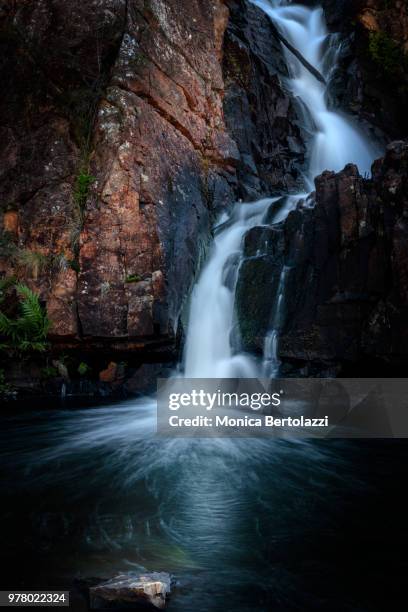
pixel 136 90
pixel 10 222
pixel 159 140
pixel 109 375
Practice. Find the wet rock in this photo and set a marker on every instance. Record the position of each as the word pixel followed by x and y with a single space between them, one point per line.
pixel 259 114
pixel 371 78
pixel 254 305
pixel 346 262
pixel 135 591
pixel 144 380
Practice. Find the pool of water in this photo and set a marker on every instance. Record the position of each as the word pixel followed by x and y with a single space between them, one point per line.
pixel 241 524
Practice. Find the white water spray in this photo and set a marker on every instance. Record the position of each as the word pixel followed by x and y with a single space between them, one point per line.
pixel 336 142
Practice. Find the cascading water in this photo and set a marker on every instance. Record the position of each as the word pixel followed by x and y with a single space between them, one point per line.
pixel 209 352
pixel 242 524
pixel 336 142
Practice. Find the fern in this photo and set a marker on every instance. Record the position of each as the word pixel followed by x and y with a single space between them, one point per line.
pixel 29 331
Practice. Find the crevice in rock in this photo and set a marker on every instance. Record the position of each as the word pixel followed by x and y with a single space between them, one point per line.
pixel 164 114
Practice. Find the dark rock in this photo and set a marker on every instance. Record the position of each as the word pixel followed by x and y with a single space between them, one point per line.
pixel 347 269
pixel 371 79
pixel 135 591
pixel 259 114
pixel 144 380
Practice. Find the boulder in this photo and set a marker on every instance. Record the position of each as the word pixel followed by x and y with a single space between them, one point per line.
pixel 130 590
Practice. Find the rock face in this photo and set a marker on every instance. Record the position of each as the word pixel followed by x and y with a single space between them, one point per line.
pixel 146 592
pixel 345 268
pixel 126 127
pixel 259 114
pixel 163 163
pixel 54 61
pixel 114 158
pixel 372 76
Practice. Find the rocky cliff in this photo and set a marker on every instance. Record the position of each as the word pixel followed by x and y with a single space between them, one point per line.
pixel 344 254
pixel 114 158
pixel 126 127
pixel 260 115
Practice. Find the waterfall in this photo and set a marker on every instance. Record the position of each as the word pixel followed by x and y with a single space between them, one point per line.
pixel 337 141
pixel 208 351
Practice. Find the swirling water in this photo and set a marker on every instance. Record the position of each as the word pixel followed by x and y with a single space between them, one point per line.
pixel 242 524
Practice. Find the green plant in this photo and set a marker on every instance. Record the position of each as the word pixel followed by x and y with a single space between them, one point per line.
pixel 28 332
pixel 59 262
pixel 83 369
pixel 386 53
pixel 80 106
pixel 6 283
pixel 133 278
pixel 74 265
pixel 82 184
pixel 81 190
pixel 35 263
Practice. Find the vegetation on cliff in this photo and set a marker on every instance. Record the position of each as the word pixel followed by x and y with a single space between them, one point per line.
pixel 27 329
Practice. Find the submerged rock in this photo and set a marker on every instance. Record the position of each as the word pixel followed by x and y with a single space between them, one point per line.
pixel 135 591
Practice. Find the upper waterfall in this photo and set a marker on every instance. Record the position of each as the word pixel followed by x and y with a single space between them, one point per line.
pixel 337 140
